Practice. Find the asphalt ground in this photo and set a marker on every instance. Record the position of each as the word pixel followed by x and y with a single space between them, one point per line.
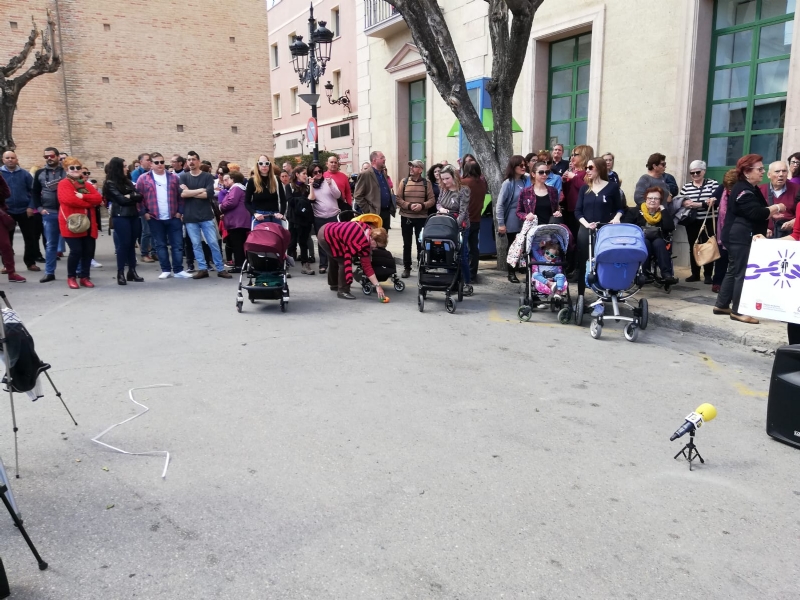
pixel 358 450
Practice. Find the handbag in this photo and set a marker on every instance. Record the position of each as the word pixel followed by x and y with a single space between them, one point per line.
pixel 707 252
pixel 78 222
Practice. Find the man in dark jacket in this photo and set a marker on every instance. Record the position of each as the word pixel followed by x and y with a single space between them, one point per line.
pixel 372 192
pixel 45 199
pixel 20 207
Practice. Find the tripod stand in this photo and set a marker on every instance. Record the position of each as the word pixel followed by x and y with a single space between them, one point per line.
pixel 41 368
pixel 690 452
pixel 8 500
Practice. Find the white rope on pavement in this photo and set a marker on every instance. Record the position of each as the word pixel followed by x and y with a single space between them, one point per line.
pixel 96 439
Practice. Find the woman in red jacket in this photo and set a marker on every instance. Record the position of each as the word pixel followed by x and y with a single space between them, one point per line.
pixel 78 197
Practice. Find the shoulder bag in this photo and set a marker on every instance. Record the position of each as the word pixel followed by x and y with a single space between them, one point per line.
pixel 78 222
pixel 708 251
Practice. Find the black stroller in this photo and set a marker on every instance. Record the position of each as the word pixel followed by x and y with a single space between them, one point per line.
pixel 265 266
pixel 440 261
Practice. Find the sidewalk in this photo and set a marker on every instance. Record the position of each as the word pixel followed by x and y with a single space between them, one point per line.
pixel 686 308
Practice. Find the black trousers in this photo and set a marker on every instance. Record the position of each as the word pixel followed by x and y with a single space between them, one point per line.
pixel 81 251
pixel 574 227
pixel 28 228
pixel 581 256
pixel 411 229
pixel 731 290
pixel 236 239
pixel 318 223
pixel 658 248
pixel 692 231
pixel 386 217
pixel 474 253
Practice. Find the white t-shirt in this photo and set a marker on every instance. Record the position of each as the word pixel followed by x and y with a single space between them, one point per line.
pixel 163 196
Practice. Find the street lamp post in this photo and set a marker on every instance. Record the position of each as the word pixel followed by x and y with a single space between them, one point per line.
pixel 309 62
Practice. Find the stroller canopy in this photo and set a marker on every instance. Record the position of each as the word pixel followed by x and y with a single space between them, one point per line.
pixel 268 237
pixel 620 243
pixel 441 227
pixel 542 234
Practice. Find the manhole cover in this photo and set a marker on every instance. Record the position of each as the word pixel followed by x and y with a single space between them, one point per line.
pixel 707 300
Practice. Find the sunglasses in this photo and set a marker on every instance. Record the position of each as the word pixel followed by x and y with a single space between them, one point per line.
pixel 87 173
pixel 551 253
pixel 543 172
pixel 576 154
pixel 49 156
pixel 590 168
pixel 695 172
pixel 159 162
pixel 74 168
pixel 263 164
pixel 316 172
pixel 663 164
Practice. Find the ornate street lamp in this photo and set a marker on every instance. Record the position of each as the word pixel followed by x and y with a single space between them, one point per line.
pixel 309 62
pixel 343 100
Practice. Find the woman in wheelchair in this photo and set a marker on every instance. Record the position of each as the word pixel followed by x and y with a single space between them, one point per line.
pixel 656 220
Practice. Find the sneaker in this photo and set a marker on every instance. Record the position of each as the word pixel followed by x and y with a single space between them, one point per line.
pixel 541 306
pixel 182 275
pixel 190 269
pixel 165 275
pixel 715 288
pixel 16 278
pixel 224 274
pixel 556 298
pixel 201 274
pixel 598 311
pixel 96 265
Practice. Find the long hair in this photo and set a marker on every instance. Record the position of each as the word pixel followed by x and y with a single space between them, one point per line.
pixel 600 167
pixel 513 163
pixel 259 182
pixel 115 173
pixel 453 172
pixel 432 174
pixel 297 185
pixel 585 154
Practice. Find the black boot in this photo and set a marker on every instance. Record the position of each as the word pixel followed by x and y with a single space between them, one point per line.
pixel 512 277
pixel 121 278
pixel 133 275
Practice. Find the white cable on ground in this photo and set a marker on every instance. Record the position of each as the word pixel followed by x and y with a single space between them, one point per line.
pixel 96 439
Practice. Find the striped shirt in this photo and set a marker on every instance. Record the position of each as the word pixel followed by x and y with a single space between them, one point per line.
pixel 348 239
pixel 703 194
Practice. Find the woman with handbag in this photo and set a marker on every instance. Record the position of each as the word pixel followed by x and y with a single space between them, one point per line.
pixel 120 193
pixel 77 221
pixel 699 198
pixel 747 216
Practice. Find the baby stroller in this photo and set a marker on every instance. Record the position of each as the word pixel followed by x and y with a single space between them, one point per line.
pixel 265 265
pixel 382 262
pixel 562 304
pixel 617 253
pixel 440 261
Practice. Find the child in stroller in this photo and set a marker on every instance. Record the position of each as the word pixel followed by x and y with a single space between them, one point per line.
pixel 545 284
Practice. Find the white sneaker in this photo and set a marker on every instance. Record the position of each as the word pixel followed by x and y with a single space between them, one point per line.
pixel 96 265
pixel 182 275
pixel 165 275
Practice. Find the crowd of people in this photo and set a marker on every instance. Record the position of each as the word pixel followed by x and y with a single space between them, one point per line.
pixel 189 218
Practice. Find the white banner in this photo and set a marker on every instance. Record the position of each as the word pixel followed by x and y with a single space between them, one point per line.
pixel 772 282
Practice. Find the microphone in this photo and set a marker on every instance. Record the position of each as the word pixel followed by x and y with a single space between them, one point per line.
pixel 704 412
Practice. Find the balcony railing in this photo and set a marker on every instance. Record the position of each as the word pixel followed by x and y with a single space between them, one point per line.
pixel 379 15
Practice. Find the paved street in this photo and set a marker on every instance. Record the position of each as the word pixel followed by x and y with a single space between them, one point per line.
pixel 355 450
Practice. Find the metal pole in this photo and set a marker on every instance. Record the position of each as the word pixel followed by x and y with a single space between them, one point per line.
pixel 312 69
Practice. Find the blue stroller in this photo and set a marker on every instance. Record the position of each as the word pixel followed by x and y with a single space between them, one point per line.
pixel 617 253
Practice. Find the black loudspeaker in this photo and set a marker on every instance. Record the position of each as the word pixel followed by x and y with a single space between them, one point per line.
pixel 783 405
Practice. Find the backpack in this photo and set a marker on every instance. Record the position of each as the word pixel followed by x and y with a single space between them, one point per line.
pixel 425 184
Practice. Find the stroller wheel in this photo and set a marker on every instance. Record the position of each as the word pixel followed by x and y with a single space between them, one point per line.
pixel 579 311
pixel 524 313
pixel 450 305
pixel 239 306
pixel 596 329
pixel 283 306
pixel 366 287
pixel 399 285
pixel 252 301
pixel 564 316
pixel 644 316
pixel 421 302
pixel 631 332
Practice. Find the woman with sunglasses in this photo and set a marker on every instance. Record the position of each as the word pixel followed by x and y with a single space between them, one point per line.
pixel 120 193
pixel 698 195
pixel 261 196
pixel 599 202
pixel 324 195
pixel 508 224
pixel 78 197
pixel 539 201
pixel 747 216
pixel 574 179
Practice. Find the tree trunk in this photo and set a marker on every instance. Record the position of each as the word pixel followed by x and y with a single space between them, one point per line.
pixel 8 104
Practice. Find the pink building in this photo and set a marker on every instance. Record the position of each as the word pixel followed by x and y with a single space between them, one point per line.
pixel 337 125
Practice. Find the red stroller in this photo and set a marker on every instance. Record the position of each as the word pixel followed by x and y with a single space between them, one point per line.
pixel 265 265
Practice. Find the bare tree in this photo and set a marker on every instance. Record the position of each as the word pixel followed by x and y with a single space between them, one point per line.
pixel 509 46
pixel 45 61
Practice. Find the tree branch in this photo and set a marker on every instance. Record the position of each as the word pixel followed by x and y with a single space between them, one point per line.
pixel 46 61
pixel 15 63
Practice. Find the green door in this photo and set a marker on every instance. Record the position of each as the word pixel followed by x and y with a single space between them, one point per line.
pixel 750 51
pixel 568 92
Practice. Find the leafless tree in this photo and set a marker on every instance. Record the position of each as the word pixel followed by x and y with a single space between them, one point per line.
pixel 47 60
pixel 510 39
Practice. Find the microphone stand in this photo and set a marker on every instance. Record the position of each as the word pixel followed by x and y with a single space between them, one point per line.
pixel 5 494
pixel 690 452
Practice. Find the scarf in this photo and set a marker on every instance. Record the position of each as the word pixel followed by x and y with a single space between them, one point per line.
pixel 80 185
pixel 651 219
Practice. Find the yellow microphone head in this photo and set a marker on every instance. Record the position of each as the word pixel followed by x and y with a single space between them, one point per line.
pixel 707 411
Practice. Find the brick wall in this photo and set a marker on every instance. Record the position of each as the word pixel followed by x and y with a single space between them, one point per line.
pixel 166 66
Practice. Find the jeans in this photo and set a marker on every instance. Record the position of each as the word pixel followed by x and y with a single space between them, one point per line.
pixel 29 237
pixel 146 245
pixel 268 218
pixel 81 251
pixel 172 230
pixel 411 229
pixel 323 256
pixel 474 252
pixel 126 231
pixel 207 230
pixel 54 241
pixel 731 290
pixel 658 249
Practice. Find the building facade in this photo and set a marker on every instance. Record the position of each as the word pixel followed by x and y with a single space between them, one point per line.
pixel 171 78
pixel 337 124
pixel 708 79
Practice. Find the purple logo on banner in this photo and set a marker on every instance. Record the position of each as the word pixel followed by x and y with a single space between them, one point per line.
pixel 782 270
